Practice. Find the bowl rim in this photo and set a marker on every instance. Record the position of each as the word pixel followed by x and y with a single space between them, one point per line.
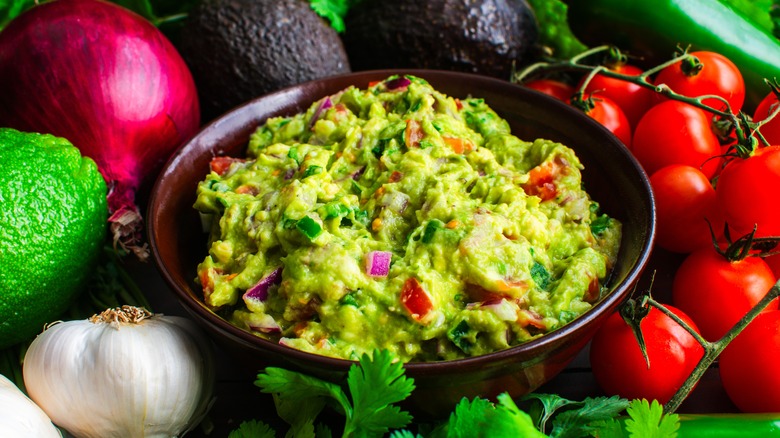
pixel 617 294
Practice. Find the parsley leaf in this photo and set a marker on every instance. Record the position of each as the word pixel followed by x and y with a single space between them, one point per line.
pixel 253 429
pixel 648 420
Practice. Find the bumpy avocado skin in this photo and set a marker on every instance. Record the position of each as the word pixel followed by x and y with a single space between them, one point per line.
pixel 475 36
pixel 241 49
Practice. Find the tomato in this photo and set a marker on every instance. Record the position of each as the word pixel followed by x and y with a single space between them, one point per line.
pixel 771 130
pixel 620 368
pixel 416 300
pixel 748 365
pixel 611 116
pixel 747 192
pixel 718 76
pixel 557 89
pixel 674 132
pixel 774 264
pixel 633 99
pixel 684 198
pixel 716 293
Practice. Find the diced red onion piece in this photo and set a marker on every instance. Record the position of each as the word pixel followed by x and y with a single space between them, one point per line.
pixel 260 290
pixel 397 83
pixel 265 324
pixel 378 263
pixel 325 104
pixel 505 310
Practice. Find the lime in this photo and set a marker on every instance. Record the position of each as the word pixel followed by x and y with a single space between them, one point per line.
pixel 52 227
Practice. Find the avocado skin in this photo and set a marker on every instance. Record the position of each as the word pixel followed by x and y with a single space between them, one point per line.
pixel 475 36
pixel 241 49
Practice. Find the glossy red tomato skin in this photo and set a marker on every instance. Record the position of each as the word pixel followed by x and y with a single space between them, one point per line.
pixel 674 132
pixel 612 117
pixel 557 89
pixel 770 130
pixel 718 76
pixel 620 368
pixel 685 200
pixel 632 98
pixel 748 192
pixel 748 365
pixel 716 293
pixel 774 264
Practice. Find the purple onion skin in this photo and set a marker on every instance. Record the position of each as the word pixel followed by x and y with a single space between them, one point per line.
pixel 106 79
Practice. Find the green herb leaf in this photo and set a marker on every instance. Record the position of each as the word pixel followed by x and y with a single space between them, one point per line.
pixel 253 429
pixel 299 398
pixel 550 404
pixel 647 420
pixel 583 420
pixel 374 386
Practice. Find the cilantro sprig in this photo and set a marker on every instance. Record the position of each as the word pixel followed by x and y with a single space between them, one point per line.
pixel 368 401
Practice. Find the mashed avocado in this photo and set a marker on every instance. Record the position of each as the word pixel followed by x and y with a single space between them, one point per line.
pixel 398 218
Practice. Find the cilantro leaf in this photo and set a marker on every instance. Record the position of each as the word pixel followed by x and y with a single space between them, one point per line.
pixel 374 386
pixel 583 420
pixel 648 420
pixel 299 398
pixel 469 418
pixel 509 420
pixel 550 404
pixel 253 429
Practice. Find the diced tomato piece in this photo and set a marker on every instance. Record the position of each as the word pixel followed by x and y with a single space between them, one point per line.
pixel 541 181
pixel 594 291
pixel 416 299
pixel 220 165
pixel 459 145
pixel 413 133
pixel 395 176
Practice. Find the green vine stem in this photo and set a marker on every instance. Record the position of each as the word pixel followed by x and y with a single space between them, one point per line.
pixel 747 132
pixel 711 349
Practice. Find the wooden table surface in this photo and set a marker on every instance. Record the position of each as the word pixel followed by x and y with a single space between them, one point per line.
pixel 238 400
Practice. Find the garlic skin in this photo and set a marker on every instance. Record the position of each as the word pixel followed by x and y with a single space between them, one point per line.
pixel 20 417
pixel 124 376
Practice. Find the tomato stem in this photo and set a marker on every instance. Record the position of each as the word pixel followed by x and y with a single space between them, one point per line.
pixel 711 349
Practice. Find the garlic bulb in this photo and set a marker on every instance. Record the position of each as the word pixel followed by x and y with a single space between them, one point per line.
pixel 124 373
pixel 20 417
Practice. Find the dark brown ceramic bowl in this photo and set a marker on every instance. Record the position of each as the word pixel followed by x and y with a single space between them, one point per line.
pixel 611 176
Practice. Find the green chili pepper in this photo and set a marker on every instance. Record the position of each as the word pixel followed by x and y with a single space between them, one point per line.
pixel 729 425
pixel 554 31
pixel 308 227
pixel 654 29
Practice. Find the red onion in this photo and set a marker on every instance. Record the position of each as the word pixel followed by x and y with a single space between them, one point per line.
pixel 110 82
pixel 260 290
pixel 378 263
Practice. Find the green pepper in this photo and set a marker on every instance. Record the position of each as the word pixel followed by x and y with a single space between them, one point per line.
pixel 554 31
pixel 729 425
pixel 654 29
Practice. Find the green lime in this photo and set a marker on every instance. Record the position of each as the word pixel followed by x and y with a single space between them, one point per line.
pixel 53 217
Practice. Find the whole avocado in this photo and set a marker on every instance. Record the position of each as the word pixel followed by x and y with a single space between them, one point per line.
pixel 476 36
pixel 241 49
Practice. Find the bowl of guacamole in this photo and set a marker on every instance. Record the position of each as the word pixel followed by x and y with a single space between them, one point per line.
pixel 477 230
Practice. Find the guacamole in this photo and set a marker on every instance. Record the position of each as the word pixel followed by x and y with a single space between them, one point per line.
pixel 396 217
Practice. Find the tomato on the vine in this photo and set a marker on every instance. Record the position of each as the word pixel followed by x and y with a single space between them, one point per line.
pixel 632 98
pixel 620 368
pixel 551 87
pixel 713 74
pixel 674 132
pixel 747 192
pixel 771 129
pixel 748 365
pixel 685 201
pixel 717 292
pixel 605 111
